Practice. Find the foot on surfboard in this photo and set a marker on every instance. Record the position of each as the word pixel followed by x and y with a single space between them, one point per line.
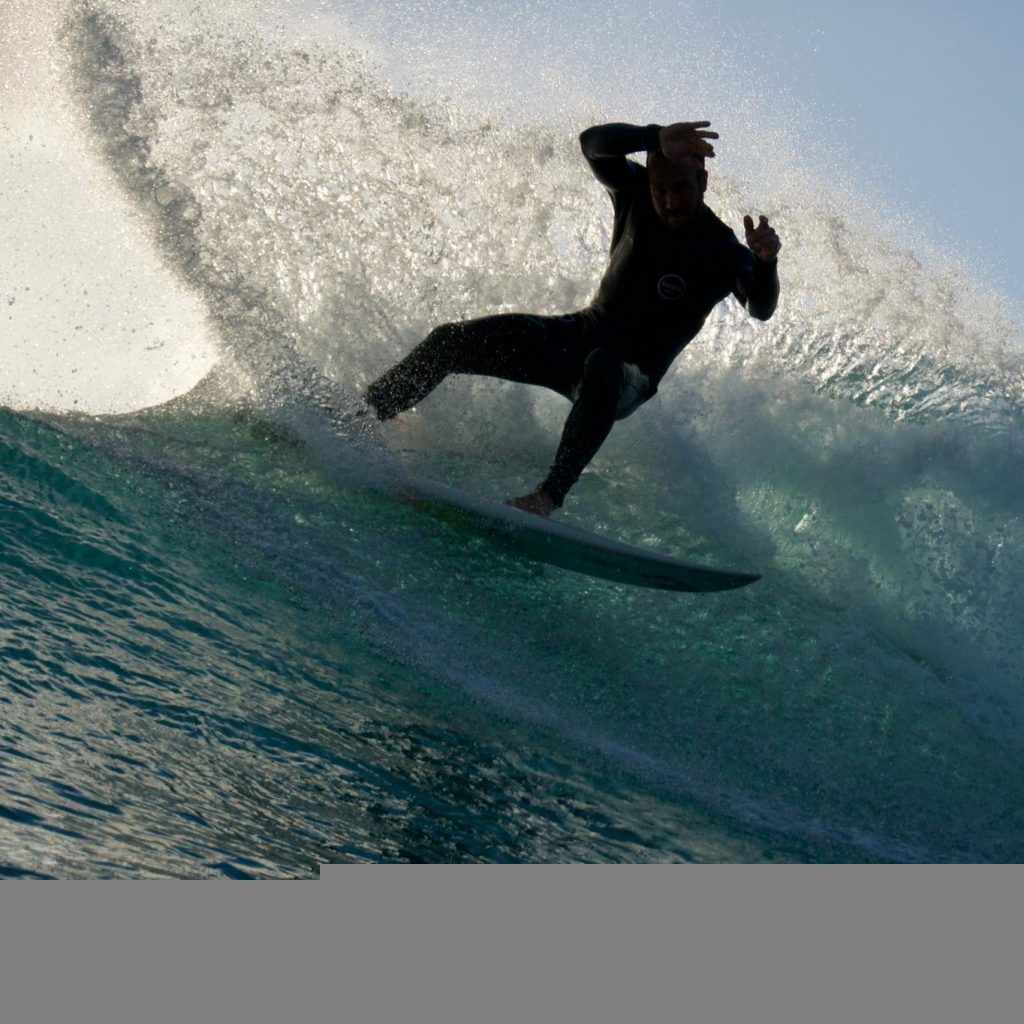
pixel 536 502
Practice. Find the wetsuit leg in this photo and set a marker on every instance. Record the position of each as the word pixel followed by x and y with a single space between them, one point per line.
pixel 592 416
pixel 548 351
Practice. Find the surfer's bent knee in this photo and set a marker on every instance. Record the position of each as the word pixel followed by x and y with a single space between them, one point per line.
pixel 444 336
pixel 445 344
pixel 626 382
pixel 603 363
pixel 602 373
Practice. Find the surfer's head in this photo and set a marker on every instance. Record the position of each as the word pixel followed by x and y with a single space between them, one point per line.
pixel 677 187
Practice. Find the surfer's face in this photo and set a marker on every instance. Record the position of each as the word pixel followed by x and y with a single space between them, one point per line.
pixel 677 192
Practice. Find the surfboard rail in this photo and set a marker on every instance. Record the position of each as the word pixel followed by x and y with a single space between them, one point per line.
pixel 570 547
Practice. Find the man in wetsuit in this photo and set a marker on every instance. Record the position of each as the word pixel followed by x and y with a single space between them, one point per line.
pixel 671 262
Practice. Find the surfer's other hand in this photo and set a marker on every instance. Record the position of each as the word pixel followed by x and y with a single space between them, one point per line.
pixel 686 139
pixel 762 241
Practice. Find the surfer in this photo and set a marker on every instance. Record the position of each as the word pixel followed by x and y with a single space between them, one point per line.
pixel 671 262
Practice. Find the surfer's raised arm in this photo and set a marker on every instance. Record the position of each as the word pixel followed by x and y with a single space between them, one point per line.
pixel 606 146
pixel 758 285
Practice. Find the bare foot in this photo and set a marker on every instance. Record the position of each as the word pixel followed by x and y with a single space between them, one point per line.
pixel 536 502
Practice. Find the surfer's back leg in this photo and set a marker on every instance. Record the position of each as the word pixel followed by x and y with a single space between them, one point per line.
pixel 512 346
pixel 594 411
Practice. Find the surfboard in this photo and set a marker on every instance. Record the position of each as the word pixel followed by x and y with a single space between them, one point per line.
pixel 569 547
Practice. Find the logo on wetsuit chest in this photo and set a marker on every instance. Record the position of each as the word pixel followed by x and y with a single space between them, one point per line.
pixel 671 287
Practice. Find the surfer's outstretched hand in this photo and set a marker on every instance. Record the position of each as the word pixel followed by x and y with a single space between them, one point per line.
pixel 762 241
pixel 685 140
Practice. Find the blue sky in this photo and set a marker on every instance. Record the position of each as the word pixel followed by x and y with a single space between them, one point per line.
pixel 935 88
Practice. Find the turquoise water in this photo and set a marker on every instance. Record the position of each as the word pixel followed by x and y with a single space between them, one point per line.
pixel 228 665
pixel 221 658
pixel 229 651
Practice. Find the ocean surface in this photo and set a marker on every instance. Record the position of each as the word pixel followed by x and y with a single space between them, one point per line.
pixel 228 650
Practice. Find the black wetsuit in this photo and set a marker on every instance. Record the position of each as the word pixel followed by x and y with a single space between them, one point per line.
pixel 657 291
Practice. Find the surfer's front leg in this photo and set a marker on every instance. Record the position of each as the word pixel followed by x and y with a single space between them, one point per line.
pixel 510 346
pixel 411 380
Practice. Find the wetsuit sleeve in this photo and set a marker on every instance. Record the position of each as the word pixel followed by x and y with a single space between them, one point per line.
pixel 605 146
pixel 757 285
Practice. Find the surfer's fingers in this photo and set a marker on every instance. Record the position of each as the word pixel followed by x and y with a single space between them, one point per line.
pixel 693 128
pixel 763 229
pixel 679 146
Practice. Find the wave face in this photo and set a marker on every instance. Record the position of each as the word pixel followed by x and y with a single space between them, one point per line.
pixel 229 651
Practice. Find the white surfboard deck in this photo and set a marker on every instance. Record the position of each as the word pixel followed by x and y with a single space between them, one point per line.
pixel 569 547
